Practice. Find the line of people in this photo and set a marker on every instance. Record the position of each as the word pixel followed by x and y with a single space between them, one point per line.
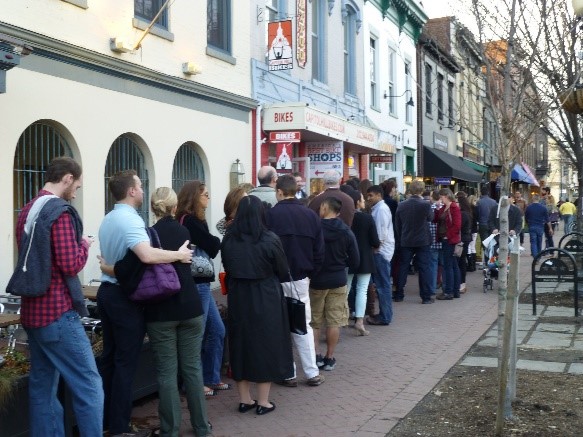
pixel 277 242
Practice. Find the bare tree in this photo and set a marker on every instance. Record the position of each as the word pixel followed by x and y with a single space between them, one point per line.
pixel 516 111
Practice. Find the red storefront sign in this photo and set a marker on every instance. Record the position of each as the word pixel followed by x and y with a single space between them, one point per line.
pixel 381 158
pixel 284 137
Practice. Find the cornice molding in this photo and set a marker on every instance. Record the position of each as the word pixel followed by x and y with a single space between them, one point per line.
pixel 48 47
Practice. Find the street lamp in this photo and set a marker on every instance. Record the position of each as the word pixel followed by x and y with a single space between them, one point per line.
pixel 409 102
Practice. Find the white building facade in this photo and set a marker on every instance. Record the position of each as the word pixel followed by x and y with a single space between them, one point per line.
pixel 175 106
pixel 391 31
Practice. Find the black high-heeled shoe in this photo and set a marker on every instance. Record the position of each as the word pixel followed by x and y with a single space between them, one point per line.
pixel 261 410
pixel 243 408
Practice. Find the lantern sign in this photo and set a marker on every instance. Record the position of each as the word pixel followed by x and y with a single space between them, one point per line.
pixel 280 56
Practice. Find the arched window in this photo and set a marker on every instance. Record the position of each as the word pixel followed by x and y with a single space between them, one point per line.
pixel 37 146
pixel 125 154
pixel 187 166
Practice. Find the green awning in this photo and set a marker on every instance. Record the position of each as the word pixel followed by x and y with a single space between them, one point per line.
pixel 408 151
pixel 475 166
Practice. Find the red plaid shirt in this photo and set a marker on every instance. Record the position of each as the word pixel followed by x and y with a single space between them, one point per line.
pixel 68 258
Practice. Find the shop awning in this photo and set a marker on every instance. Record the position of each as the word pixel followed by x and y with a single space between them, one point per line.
pixel 478 167
pixel 522 173
pixel 437 163
pixel 530 174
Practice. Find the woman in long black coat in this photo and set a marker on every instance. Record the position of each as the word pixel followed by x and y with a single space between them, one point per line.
pixel 259 337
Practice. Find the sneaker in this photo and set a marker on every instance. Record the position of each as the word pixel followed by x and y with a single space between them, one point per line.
pixel 315 381
pixel 329 363
pixel 319 361
pixel 288 382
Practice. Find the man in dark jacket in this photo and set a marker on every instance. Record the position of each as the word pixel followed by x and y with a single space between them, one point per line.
pixel 514 220
pixel 413 238
pixel 300 232
pixel 328 286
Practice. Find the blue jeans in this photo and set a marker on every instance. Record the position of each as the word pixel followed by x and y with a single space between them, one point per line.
pixel 536 239
pixel 422 261
pixel 433 265
pixel 451 270
pixel 362 281
pixel 176 346
pixel 62 348
pixel 214 336
pixel 123 338
pixel 568 219
pixel 382 280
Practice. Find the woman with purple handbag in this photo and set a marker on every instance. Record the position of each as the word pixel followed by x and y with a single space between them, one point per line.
pixel 175 327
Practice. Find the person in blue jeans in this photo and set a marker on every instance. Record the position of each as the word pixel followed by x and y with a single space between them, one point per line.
pixel 58 345
pixel 193 201
pixel 536 216
pixel 383 255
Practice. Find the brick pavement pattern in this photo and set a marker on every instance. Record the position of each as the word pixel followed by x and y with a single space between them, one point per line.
pixel 378 379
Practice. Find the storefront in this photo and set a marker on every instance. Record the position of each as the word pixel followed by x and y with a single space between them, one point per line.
pixel 445 170
pixel 316 141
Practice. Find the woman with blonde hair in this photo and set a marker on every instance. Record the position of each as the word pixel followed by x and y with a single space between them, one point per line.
pixel 175 326
pixel 193 200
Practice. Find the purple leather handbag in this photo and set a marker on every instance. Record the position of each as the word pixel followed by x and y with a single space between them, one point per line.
pixel 160 281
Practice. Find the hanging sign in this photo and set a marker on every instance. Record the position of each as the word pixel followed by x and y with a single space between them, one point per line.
pixel 284 137
pixel 279 35
pixel 301 33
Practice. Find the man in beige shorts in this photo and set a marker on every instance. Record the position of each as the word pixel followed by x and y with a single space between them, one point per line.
pixel 328 287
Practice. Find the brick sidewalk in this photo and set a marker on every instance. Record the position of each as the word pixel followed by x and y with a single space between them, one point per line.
pixel 378 379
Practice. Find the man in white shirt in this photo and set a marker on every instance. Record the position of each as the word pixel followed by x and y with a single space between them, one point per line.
pixel 383 255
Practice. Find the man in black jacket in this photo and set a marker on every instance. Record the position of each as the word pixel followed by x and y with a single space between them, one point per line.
pixel 328 286
pixel 300 232
pixel 413 238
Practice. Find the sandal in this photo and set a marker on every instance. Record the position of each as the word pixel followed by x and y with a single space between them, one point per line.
pixel 210 392
pixel 221 386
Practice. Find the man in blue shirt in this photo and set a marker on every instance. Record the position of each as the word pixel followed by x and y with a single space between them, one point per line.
pixel 122 320
pixel 537 218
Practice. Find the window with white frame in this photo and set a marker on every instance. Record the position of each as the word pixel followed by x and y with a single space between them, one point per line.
pixel 219 24
pixel 428 89
pixel 374 99
pixel 450 108
pixel 276 10
pixel 349 51
pixel 392 91
pixel 147 10
pixel 440 97
pixel 319 12
pixel 409 95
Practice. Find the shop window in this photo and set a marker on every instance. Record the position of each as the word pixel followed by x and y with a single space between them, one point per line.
pixel 187 166
pixel 125 154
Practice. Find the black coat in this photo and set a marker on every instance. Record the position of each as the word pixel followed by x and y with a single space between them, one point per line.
pixel 412 223
pixel 466 230
pixel 367 238
pixel 300 232
pixel 183 305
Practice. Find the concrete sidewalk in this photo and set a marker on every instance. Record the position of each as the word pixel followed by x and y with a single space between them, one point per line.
pixel 377 380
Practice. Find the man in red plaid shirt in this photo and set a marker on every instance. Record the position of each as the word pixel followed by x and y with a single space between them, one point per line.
pixel 57 340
